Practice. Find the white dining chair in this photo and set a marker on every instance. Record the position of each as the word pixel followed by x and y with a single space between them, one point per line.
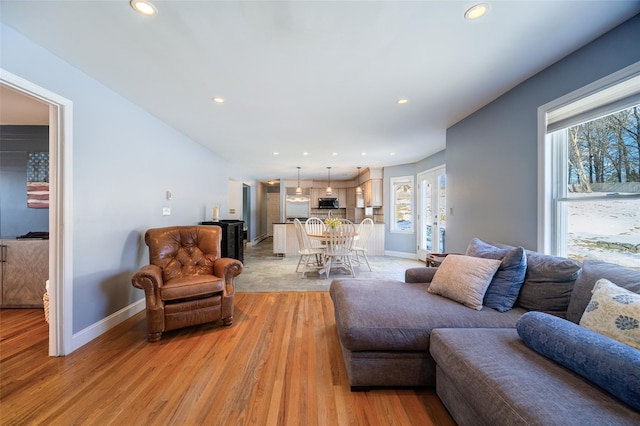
pixel 338 247
pixel 315 225
pixel 306 250
pixel 364 231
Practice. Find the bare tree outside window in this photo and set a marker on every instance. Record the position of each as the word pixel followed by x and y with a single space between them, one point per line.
pixel 603 203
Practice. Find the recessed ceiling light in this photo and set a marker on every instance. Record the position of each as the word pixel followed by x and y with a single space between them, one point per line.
pixel 476 11
pixel 144 7
pixel 334 153
pixel 402 101
pixel 392 154
pixel 364 153
pixel 276 153
pixel 305 153
pixel 218 100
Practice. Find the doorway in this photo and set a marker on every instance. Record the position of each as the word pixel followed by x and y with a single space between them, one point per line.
pixel 273 211
pixel 432 212
pixel 60 259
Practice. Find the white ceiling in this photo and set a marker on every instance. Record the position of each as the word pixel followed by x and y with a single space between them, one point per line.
pixel 313 76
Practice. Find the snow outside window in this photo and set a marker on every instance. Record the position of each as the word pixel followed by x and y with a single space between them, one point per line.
pixel 402 204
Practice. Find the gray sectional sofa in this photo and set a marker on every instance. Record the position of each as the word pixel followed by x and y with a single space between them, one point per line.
pixel 531 364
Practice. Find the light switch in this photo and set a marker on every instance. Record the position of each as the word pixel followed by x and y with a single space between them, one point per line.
pixel 168 195
pixel 166 211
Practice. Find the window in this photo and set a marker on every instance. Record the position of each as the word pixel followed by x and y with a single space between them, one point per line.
pixel 402 204
pixel 590 179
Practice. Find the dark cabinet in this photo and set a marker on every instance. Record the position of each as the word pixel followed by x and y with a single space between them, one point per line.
pixel 232 238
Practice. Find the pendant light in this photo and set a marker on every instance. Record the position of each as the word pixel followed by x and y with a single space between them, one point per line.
pixel 359 188
pixel 298 189
pixel 329 190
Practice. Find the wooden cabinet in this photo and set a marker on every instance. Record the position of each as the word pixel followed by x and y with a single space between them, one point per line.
pixel 373 193
pixel 24 272
pixel 341 195
pixel 317 193
pixel 351 198
pixel 359 200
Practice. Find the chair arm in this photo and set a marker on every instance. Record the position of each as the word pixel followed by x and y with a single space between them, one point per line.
pixel 228 269
pixel 149 279
pixel 423 274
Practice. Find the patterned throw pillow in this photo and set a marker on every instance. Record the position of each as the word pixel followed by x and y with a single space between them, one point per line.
pixel 614 312
pixel 464 279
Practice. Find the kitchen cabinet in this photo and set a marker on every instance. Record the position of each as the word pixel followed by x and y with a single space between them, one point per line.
pixel 373 193
pixel 351 198
pixel 341 195
pixel 317 193
pixel 24 272
pixel 355 204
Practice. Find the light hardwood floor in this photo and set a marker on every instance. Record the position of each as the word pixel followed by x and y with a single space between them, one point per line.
pixel 279 364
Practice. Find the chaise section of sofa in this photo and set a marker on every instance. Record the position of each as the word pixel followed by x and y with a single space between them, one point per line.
pixel 490 377
pixel 548 371
pixel 384 329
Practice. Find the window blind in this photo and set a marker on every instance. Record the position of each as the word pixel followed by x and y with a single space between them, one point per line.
pixel 620 96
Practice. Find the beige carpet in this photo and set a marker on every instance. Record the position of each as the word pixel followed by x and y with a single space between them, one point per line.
pixel 265 272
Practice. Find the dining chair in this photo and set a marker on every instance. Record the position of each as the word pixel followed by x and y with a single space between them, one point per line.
pixel 315 225
pixel 306 249
pixel 338 247
pixel 364 231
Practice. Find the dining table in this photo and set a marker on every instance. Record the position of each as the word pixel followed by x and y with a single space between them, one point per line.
pixel 324 238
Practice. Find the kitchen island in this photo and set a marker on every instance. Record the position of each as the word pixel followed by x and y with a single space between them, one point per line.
pixel 285 242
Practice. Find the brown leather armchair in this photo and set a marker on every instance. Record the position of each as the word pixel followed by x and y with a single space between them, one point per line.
pixel 187 282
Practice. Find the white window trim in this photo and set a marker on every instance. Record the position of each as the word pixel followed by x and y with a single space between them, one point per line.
pixel 392 204
pixel 547 241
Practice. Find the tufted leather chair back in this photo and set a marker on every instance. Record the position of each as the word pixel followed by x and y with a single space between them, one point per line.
pixel 182 251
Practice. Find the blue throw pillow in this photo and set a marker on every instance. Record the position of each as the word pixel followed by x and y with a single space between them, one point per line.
pixel 506 283
pixel 606 362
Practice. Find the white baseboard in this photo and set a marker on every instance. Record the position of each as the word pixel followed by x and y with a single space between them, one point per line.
pixel 94 330
pixel 401 254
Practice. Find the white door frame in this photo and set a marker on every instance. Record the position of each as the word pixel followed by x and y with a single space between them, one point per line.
pixel 422 219
pixel 60 212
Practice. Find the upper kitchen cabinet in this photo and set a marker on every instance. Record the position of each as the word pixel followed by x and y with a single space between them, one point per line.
pixel 316 194
pixel 341 195
pixel 373 193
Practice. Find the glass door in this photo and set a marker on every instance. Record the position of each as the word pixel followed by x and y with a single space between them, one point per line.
pixel 432 218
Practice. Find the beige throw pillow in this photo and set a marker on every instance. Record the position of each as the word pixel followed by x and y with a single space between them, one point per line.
pixel 464 279
pixel 614 312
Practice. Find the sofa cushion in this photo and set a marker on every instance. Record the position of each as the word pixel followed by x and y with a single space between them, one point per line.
pixel 614 312
pixel 504 382
pixel 606 362
pixel 592 271
pixel 464 279
pixel 389 315
pixel 548 283
pixel 508 279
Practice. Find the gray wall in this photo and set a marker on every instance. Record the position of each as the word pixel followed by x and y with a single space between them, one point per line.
pixel 15 144
pixel 124 160
pixel 491 156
